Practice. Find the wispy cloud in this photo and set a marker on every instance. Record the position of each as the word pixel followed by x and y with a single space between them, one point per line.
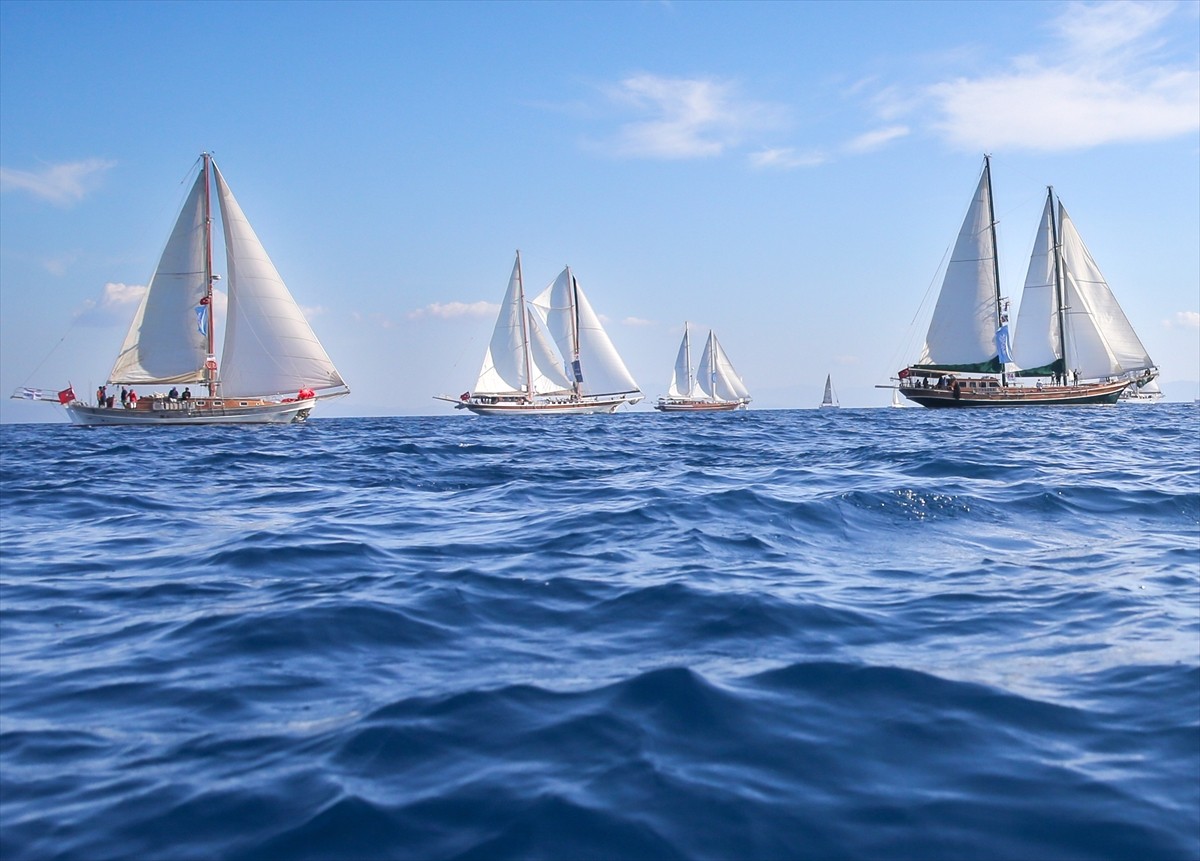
pixel 450 310
pixel 872 141
pixel 637 321
pixel 685 118
pixel 1104 80
pixel 786 158
pixel 62 184
pixel 1183 320
pixel 115 305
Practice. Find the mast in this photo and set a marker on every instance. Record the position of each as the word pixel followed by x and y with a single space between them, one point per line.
pixel 711 349
pixel 525 331
pixel 687 354
pixel 1058 286
pixel 576 368
pixel 987 169
pixel 210 363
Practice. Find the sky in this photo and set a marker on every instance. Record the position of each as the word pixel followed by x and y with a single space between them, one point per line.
pixel 790 175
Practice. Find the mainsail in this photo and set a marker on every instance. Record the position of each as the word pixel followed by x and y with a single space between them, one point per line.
pixel 269 346
pixel 962 332
pixel 590 360
pixel 1037 345
pixel 1100 340
pixel 683 383
pixel 165 343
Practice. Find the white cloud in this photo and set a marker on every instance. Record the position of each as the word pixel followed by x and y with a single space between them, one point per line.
pixel 115 305
pixel 872 141
pixel 637 321
pixel 450 310
pixel 62 184
pixel 1103 80
pixel 786 158
pixel 684 118
pixel 118 302
pixel 1183 320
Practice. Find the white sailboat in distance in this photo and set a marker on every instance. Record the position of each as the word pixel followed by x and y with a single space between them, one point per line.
pixel 714 387
pixel 829 398
pixel 548 356
pixel 273 369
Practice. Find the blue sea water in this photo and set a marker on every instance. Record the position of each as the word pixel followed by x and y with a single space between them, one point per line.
pixel 859 634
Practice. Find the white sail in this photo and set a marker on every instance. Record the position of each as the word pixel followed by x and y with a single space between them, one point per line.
pixel 1036 342
pixel 269 346
pixel 1100 340
pixel 828 399
pixel 518 349
pixel 962 331
pixel 715 376
pixel 165 343
pixel 581 339
pixel 682 381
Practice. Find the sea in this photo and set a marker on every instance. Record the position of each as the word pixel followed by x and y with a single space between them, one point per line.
pixel 837 634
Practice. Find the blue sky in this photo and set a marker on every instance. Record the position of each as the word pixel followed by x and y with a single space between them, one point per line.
pixel 789 174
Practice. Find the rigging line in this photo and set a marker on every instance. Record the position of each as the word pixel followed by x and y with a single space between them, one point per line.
pixel 46 358
pixel 907 346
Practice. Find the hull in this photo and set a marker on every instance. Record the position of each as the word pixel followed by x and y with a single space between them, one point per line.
pixel 1015 396
pixel 548 408
pixel 226 411
pixel 697 406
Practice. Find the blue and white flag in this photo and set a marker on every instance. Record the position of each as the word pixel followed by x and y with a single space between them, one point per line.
pixel 201 320
pixel 1003 346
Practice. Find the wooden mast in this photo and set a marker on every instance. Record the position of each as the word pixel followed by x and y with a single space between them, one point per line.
pixel 525 331
pixel 210 363
pixel 987 168
pixel 576 367
pixel 1060 306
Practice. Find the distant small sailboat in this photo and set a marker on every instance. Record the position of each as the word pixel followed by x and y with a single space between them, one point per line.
pixel 524 374
pixel 896 400
pixel 714 387
pixel 829 399
pixel 273 367
pixel 1149 393
pixel 1070 329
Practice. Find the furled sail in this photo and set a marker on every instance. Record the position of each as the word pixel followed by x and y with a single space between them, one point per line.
pixel 165 343
pixel 269 346
pixel 716 376
pixel 581 338
pixel 1036 344
pixel 1100 340
pixel 962 332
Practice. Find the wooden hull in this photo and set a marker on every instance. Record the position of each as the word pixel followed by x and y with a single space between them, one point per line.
pixel 545 408
pixel 697 406
pixel 226 411
pixel 1016 396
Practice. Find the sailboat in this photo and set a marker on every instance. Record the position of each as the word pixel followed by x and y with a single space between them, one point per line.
pixel 548 356
pixel 273 367
pixel 1070 334
pixel 714 387
pixel 829 399
pixel 1148 393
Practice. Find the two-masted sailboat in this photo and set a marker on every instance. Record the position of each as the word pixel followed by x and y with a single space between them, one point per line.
pixel 548 356
pixel 1071 335
pixel 273 367
pixel 715 386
